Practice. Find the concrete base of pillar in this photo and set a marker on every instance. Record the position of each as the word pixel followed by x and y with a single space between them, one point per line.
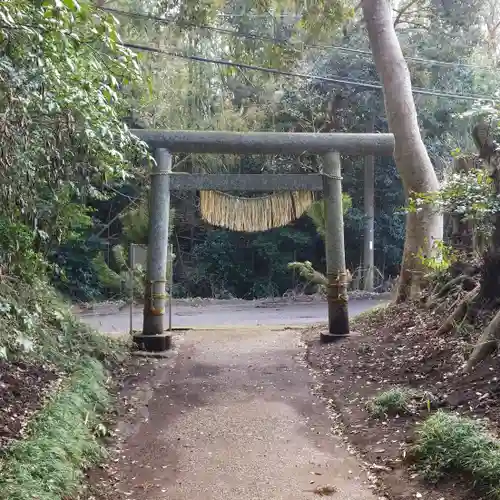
pixel 328 338
pixel 153 343
pixel 157 355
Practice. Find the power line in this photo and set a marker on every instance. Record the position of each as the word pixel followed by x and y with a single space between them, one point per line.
pixel 339 81
pixel 280 41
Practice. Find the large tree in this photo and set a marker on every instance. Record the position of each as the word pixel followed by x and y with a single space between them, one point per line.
pixel 425 226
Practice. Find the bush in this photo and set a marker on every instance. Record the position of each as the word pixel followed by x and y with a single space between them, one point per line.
pixel 17 254
pixel 37 326
pixel 229 264
pixel 448 443
pixel 392 402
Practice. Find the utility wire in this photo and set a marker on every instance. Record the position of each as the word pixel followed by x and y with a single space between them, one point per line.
pixel 252 36
pixel 339 81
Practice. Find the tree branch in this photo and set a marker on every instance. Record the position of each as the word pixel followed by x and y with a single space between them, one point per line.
pixel 403 11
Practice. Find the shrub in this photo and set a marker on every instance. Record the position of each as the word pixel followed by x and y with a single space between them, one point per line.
pixel 448 443
pixel 395 401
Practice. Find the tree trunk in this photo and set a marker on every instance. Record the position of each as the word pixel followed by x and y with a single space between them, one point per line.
pixel 425 227
pixel 487 343
pixel 369 203
pixel 489 152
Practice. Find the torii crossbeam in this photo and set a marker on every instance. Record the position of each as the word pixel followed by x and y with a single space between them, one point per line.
pixel 329 146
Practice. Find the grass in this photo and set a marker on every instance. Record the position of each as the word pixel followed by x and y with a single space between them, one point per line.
pixel 451 444
pixel 375 313
pixel 61 440
pixel 37 326
pixel 396 401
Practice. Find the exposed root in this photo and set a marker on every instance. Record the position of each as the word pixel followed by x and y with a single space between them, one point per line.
pixel 428 302
pixel 448 286
pixel 487 343
pixel 463 282
pixel 458 313
pixel 464 268
pixel 445 308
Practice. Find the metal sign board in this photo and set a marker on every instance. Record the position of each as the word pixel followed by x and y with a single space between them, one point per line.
pixel 138 255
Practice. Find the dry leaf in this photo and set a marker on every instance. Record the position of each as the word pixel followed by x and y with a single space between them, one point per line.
pixel 325 491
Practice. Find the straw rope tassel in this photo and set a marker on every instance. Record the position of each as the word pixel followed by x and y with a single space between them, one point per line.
pixel 253 214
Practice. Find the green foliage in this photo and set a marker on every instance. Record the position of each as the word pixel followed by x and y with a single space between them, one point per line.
pixel 73 269
pixel 120 256
pixel 449 444
pixel 317 213
pixel 62 76
pixel 320 16
pixel 307 272
pixel 441 258
pixel 469 194
pixel 36 325
pixel 396 401
pixel 226 264
pixel 108 277
pixel 63 73
pixel 17 251
pixel 115 275
pixel 229 98
pixel 323 107
pixel 118 282
pixel 306 19
pixel 135 222
pixel 60 442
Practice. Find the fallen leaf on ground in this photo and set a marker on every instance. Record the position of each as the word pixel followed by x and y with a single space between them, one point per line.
pixel 325 491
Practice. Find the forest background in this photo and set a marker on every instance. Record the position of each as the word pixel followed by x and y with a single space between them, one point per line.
pixel 79 213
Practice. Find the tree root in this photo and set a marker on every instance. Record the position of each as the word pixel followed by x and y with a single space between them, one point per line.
pixel 448 286
pixel 430 298
pixel 487 343
pixel 460 267
pixel 445 308
pixel 458 313
pixel 459 281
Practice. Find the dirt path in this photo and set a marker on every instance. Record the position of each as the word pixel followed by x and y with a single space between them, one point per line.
pixel 232 416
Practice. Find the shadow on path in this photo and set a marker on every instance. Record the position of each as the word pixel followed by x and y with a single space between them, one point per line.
pixel 232 416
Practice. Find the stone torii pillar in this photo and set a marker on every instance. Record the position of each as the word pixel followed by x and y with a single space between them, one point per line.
pixel 329 146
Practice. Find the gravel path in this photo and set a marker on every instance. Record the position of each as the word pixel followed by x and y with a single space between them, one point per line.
pixel 231 415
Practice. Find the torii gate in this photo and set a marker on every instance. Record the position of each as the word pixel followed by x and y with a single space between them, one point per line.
pixel 153 337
